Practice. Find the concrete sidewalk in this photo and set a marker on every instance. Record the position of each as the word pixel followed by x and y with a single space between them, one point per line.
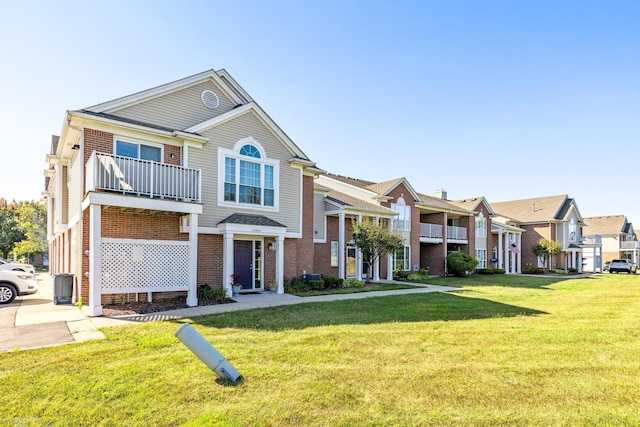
pixel 34 321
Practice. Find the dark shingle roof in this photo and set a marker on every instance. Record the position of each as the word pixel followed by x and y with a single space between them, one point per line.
pixel 250 220
pixel 133 122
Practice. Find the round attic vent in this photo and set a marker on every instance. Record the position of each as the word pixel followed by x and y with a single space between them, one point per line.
pixel 210 99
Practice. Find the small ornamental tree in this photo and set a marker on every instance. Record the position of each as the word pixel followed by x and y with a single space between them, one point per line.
pixel 460 263
pixel 545 249
pixel 375 241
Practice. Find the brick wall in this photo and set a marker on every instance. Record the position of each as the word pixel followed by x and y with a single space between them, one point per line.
pixel 210 259
pixel 146 224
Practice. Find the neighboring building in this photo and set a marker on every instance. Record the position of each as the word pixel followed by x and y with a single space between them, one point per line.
pixel 553 218
pixel 498 240
pixel 618 238
pixel 431 227
pixel 177 186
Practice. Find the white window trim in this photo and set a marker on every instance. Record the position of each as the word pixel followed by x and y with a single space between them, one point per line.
pixel 223 153
pixel 139 142
pixel 482 261
pixel 337 260
pixel 406 215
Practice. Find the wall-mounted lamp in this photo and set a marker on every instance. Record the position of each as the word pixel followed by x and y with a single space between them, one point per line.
pixel 87 252
pixel 173 156
pixel 75 147
pixel 271 246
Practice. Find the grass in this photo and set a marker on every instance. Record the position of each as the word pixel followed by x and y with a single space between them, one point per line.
pixel 505 350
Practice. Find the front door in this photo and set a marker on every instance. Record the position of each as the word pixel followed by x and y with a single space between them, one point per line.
pixel 247 263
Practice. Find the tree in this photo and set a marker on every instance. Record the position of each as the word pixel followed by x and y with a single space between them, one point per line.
pixel 375 241
pixel 32 220
pixel 10 232
pixel 545 249
pixel 460 263
pixel 23 228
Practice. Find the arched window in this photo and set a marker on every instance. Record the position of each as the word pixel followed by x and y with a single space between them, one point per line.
pixel 248 176
pixel 403 220
pixel 481 225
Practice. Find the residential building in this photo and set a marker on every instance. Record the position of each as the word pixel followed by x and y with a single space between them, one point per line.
pixel 554 218
pixel 619 239
pixel 174 187
pixel 498 239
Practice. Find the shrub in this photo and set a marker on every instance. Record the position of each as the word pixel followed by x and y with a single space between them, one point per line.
pixel 404 275
pixel 316 285
pixel 295 285
pixel 532 270
pixel 498 271
pixel 353 283
pixel 461 264
pixel 332 282
pixel 416 277
pixel 557 271
pixel 573 270
pixel 485 271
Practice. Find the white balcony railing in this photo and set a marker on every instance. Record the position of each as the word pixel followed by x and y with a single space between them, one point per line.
pixel 592 239
pixel 630 245
pixel 142 178
pixel 431 231
pixel 456 233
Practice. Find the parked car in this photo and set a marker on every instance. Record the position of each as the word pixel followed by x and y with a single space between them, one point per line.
pixel 15 283
pixel 606 266
pixel 622 266
pixel 15 266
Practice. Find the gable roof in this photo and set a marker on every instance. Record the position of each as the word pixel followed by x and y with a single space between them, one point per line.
pixel 357 204
pixel 472 204
pixel 153 92
pixel 537 209
pixel 607 225
pixel 440 204
pixel 384 188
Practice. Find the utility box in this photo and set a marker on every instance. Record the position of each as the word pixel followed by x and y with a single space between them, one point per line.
pixel 62 288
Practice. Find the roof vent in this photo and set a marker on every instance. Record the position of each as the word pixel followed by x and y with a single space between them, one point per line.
pixel 210 99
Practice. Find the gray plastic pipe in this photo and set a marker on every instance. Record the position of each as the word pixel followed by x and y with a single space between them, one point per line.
pixel 205 352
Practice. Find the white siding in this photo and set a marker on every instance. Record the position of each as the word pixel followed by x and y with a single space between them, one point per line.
pixel 178 110
pixel 74 184
pixel 226 135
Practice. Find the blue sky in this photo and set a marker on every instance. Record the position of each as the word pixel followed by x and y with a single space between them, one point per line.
pixel 505 99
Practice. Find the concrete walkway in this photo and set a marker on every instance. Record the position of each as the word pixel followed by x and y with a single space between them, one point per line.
pixel 34 321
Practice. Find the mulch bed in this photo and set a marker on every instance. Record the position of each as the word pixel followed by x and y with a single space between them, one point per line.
pixel 130 308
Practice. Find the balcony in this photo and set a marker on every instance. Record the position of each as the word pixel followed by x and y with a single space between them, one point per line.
pixel 144 178
pixel 457 234
pixel 592 240
pixel 629 245
pixel 432 233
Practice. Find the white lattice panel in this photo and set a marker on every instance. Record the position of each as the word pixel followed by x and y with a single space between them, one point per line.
pixel 144 266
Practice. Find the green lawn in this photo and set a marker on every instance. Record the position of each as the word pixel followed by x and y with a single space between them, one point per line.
pixel 504 350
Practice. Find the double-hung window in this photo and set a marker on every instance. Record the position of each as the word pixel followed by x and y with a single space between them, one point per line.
pixel 481 256
pixel 248 176
pixel 138 150
pixel 402 259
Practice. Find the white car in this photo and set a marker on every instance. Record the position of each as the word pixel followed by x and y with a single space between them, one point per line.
pixel 14 283
pixel 622 266
pixel 6 265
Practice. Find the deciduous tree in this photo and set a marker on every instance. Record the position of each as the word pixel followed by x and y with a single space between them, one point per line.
pixel 375 240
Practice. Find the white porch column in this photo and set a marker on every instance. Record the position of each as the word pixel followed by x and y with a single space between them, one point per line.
pixel 341 246
pixel 579 261
pixel 94 307
pixel 192 294
pixel 500 260
pixel 519 254
pixel 227 262
pixel 359 271
pixel 507 267
pixel 280 264
pixel 376 265
pixel 390 258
